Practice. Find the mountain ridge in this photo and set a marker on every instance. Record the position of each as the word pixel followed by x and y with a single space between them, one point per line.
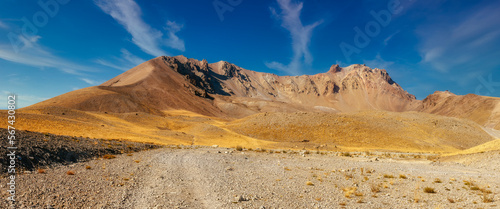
pixel 226 90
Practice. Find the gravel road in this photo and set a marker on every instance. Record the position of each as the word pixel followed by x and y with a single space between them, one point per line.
pixel 208 177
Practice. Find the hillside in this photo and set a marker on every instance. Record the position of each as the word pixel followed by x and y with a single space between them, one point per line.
pixel 483 110
pixel 225 90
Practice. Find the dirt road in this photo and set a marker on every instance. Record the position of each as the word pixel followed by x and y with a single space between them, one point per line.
pixel 224 178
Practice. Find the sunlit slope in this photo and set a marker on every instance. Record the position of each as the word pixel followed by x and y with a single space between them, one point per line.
pixel 373 130
pixel 411 131
pixel 176 127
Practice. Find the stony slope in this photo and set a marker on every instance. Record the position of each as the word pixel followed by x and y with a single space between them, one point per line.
pixel 480 109
pixel 225 90
pixel 370 130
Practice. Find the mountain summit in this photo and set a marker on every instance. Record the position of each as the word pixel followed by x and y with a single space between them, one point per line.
pixel 223 89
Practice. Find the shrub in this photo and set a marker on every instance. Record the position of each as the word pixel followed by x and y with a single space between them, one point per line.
pixel 70 173
pixel 487 198
pixel 437 180
pixel 239 148
pixel 429 190
pixel 402 176
pixel 41 170
pixel 388 176
pixel 108 156
pixel 88 167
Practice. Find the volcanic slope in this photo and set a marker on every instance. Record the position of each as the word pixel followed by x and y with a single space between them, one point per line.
pixel 368 130
pixel 361 131
pixel 225 90
pixel 483 110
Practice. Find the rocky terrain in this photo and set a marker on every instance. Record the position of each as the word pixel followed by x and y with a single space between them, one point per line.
pixel 37 150
pixel 208 177
pixel 223 89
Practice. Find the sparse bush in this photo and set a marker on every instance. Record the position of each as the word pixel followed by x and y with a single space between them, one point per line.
pixel 88 167
pixel 108 156
pixel 402 176
pixel 487 198
pixel 348 191
pixel 429 190
pixel 388 176
pixel 346 154
pixel 474 188
pixel 348 176
pixel 239 148
pixel 451 200
pixel 70 173
pixel 41 170
pixel 437 180
pixel 309 183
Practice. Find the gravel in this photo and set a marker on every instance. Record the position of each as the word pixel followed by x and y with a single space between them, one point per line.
pixel 214 177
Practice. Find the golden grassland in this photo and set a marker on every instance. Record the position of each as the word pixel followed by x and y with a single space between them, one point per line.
pixel 360 131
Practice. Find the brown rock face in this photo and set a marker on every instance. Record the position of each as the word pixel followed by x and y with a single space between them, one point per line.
pixel 223 89
pixel 483 110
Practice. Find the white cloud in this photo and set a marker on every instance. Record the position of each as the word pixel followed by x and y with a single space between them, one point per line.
pixel 91 82
pixel 386 40
pixel 378 62
pixel 124 63
pixel 462 42
pixel 301 36
pixel 135 60
pixel 22 100
pixel 3 25
pixel 150 40
pixel 33 54
pixel 173 41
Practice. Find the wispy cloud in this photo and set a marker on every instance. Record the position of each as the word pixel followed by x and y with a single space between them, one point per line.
pixel 386 40
pixel 148 39
pixel 464 41
pixel 301 37
pixel 378 62
pixel 125 62
pixel 22 100
pixel 3 25
pixel 91 82
pixel 33 54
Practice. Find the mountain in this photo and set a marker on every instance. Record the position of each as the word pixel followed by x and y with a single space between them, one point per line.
pixel 481 109
pixel 225 90
pixel 176 100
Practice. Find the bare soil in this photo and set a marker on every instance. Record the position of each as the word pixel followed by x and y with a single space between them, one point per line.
pixel 211 177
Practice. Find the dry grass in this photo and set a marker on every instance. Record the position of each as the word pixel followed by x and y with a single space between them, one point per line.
pixel 375 188
pixel 429 190
pixel 108 156
pixel 70 173
pixel 349 191
pixel 487 198
pixel 388 176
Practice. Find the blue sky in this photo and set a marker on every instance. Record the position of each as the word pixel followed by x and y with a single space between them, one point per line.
pixel 50 47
